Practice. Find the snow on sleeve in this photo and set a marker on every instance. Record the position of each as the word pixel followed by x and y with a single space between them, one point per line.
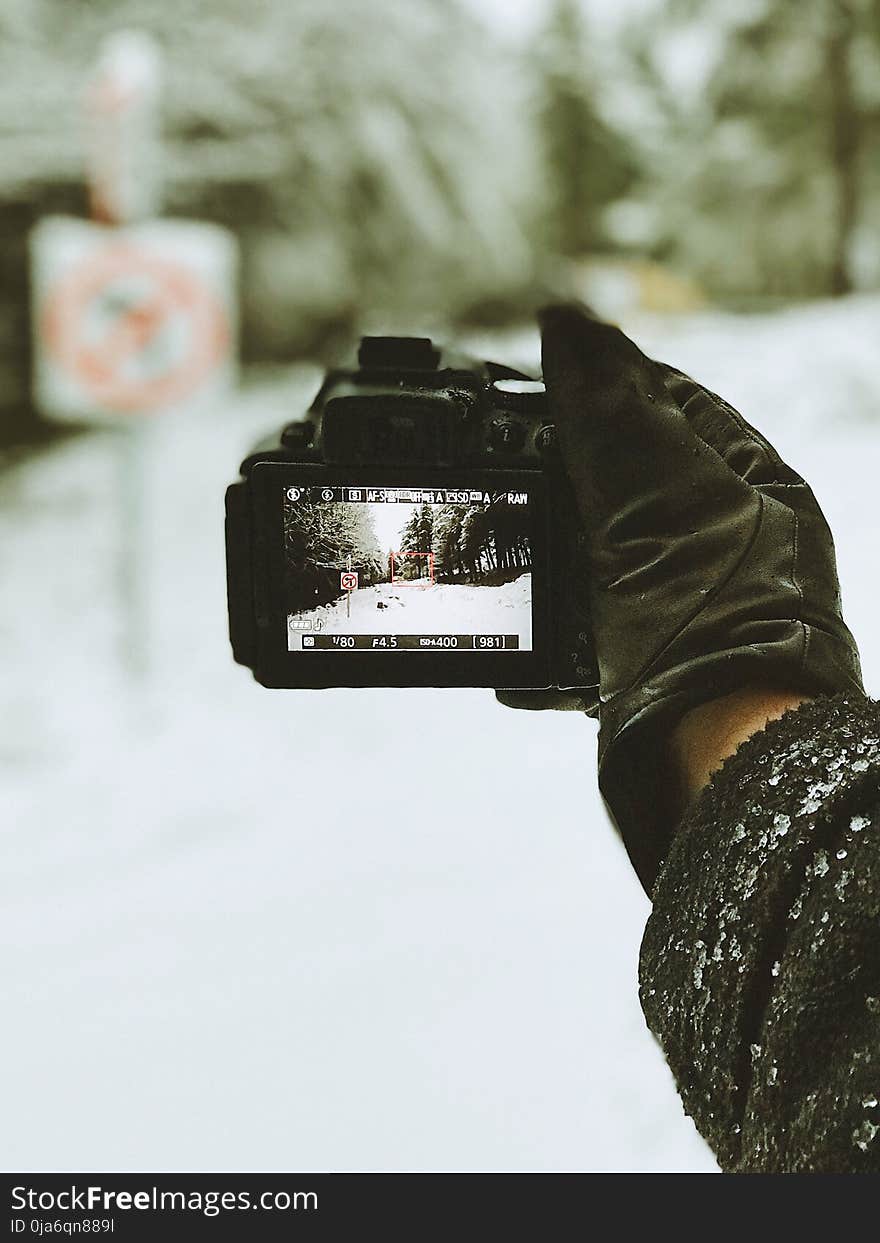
pixel 764 839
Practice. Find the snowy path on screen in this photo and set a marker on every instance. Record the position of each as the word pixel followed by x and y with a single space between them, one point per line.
pixel 422 608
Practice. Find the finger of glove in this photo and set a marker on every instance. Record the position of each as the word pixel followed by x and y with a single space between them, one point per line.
pixel 554 700
pixel 745 450
pixel 623 438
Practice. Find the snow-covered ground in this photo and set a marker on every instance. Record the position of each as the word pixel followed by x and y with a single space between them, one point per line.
pixel 335 930
pixel 424 608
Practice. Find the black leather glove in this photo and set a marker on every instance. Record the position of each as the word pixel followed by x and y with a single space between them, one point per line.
pixel 711 566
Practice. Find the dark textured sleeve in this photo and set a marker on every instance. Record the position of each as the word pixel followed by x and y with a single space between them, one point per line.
pixel 760 965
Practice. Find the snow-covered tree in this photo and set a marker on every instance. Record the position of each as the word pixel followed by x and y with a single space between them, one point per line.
pixel 762 164
pixel 417 537
pixel 470 543
pixel 322 540
pixel 447 552
pixel 374 157
pixel 587 162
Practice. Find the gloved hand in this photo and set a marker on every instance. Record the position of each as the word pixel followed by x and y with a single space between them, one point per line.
pixel 711 566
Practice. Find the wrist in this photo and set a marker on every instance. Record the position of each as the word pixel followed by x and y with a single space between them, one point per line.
pixel 705 737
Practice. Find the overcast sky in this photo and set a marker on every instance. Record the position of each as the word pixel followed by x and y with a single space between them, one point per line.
pixel 389 521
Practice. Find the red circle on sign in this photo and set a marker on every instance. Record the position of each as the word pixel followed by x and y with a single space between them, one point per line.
pixel 349 581
pixel 136 331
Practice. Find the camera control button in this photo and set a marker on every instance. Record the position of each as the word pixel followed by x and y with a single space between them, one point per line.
pixel 545 438
pixel 506 435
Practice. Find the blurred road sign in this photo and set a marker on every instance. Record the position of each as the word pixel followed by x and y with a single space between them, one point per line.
pixel 131 320
pixel 348 580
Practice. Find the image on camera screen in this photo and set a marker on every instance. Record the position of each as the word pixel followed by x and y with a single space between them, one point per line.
pixel 407 569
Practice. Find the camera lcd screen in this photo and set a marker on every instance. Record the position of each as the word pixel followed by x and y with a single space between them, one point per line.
pixel 381 569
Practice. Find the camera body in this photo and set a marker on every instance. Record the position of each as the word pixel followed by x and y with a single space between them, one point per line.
pixel 414 529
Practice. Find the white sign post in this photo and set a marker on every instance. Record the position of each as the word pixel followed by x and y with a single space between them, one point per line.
pixel 123 129
pixel 348 581
pixel 133 316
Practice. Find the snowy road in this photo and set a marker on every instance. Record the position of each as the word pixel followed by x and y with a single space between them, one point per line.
pixel 425 608
pixel 335 930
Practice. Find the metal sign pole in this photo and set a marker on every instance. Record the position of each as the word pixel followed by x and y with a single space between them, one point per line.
pixel 124 184
pixel 134 546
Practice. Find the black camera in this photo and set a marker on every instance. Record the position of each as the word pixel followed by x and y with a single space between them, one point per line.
pixel 414 529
